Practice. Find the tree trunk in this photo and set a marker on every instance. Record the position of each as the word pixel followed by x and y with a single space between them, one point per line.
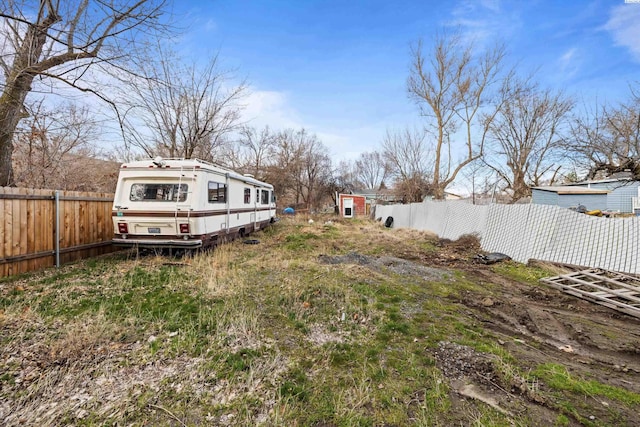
pixel 520 187
pixel 438 191
pixel 17 87
pixel 11 112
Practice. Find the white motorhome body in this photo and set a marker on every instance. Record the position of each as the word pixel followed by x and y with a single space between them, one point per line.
pixel 178 203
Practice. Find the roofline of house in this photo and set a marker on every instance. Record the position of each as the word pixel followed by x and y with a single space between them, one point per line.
pixel 577 190
pixel 602 181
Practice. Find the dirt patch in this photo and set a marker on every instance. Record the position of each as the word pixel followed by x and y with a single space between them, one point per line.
pixel 458 362
pixel 537 325
pixel 396 265
pixel 465 244
pixel 320 335
pixel 561 324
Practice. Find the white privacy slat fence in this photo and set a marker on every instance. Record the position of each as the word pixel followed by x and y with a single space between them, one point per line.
pixel 524 232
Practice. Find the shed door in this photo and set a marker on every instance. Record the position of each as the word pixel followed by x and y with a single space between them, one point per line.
pixel 347 206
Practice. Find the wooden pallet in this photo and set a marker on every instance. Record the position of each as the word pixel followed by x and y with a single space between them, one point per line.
pixel 614 290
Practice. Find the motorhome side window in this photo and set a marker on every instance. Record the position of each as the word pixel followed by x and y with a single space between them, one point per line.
pixel 158 192
pixel 217 192
pixel 247 196
pixel 265 197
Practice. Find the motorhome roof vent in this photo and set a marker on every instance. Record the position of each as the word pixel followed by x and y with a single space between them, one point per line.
pixel 159 161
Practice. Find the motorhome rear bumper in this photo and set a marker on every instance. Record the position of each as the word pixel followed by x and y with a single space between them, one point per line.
pixel 157 243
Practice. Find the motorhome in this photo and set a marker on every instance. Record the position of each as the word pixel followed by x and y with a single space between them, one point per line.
pixel 187 204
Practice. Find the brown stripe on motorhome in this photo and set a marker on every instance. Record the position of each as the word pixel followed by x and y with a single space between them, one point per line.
pixel 183 214
pixel 208 239
pixel 205 236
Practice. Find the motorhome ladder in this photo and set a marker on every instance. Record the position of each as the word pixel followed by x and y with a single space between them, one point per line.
pixel 186 206
pixel 614 290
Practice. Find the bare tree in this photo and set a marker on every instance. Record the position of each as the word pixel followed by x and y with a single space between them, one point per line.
pixel 371 169
pixel 606 139
pixel 452 88
pixel 286 168
pixel 408 155
pixel 343 180
pixel 318 173
pixel 479 180
pixel 527 135
pixel 53 149
pixel 45 138
pixel 301 170
pixel 254 150
pixel 183 110
pixel 60 41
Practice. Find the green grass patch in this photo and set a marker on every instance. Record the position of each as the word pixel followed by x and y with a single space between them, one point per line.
pixel 146 296
pixel 521 272
pixel 300 241
pixel 295 386
pixel 559 378
pixel 238 362
pixel 428 246
pixel 343 354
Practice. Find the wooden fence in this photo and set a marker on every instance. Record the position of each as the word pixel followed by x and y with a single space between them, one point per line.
pixel 31 219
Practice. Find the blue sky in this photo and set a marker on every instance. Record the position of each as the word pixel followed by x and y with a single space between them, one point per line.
pixel 338 68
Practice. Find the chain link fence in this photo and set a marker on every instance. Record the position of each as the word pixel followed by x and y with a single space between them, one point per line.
pixel 524 232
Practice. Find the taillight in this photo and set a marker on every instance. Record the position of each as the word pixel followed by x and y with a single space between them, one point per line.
pixel 123 228
pixel 184 228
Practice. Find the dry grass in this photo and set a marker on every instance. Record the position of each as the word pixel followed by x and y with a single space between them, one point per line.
pixel 267 334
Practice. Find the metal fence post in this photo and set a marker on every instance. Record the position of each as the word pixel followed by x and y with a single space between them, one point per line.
pixel 57 209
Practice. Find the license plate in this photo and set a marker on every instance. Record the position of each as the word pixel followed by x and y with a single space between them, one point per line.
pixel 154 230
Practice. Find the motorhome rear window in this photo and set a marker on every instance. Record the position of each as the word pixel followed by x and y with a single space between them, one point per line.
pixel 217 192
pixel 265 197
pixel 158 192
